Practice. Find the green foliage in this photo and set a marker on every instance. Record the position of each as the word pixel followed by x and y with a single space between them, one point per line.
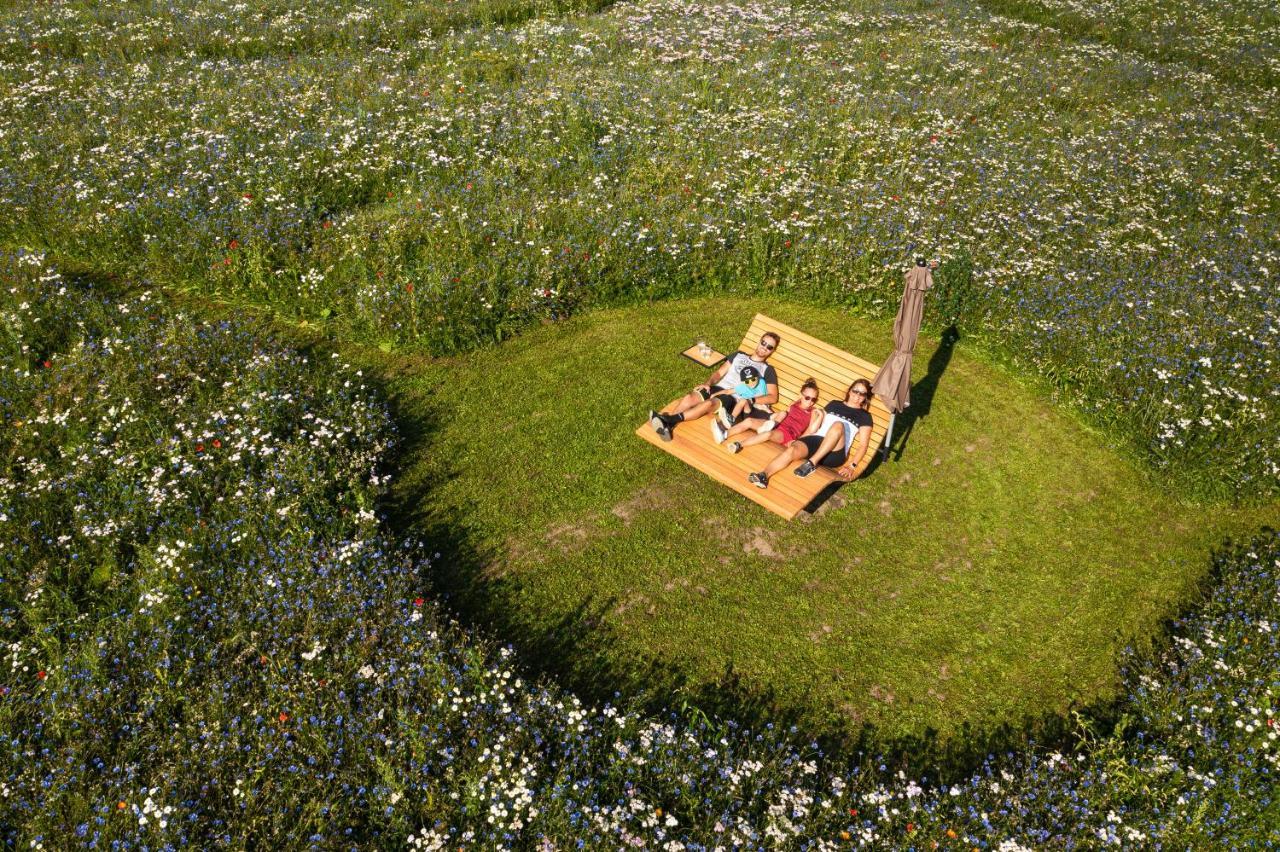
pixel 1103 212
pixel 986 576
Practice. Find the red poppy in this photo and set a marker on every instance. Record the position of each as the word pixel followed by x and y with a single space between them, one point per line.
pixel 247 196
pixel 217 444
pixel 911 826
pixel 408 287
pixel 42 674
pixel 199 448
pixel 283 717
pixel 418 601
pixel 46 364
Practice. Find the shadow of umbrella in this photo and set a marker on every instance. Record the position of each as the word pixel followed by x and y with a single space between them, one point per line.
pixel 922 391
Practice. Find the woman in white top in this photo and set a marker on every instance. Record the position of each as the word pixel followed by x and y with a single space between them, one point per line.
pixel 840 442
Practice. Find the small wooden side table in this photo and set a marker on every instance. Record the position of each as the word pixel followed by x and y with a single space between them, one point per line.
pixel 711 359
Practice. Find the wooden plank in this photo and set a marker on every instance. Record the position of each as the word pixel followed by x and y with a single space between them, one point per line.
pixel 763 323
pixel 787 494
pixel 698 445
pixel 711 360
pixel 774 500
pixel 798 357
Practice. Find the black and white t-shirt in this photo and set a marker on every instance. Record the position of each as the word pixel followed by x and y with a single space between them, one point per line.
pixel 733 376
pixel 853 419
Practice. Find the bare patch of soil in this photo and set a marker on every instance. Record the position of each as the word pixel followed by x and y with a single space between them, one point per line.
pixel 645 500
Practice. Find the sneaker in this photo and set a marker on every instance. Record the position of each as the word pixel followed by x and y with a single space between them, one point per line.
pixel 719 432
pixel 767 426
pixel 725 416
pixel 805 469
pixel 734 447
pixel 661 424
pixel 759 480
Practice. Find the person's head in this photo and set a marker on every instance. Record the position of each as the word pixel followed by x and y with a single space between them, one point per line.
pixel 859 393
pixel 768 342
pixel 750 375
pixel 809 394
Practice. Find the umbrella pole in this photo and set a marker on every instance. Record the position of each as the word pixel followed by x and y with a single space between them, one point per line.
pixel 888 437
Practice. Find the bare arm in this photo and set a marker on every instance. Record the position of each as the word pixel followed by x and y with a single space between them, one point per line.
pixel 863 439
pixel 716 375
pixel 815 420
pixel 770 395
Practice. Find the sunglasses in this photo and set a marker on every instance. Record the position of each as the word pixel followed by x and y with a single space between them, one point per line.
pixel 808 398
pixel 769 346
pixel 860 392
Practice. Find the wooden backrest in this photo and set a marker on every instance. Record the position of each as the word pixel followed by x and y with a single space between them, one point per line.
pixel 800 356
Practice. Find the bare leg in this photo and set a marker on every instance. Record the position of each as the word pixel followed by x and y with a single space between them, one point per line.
pixel 752 440
pixel 790 455
pixel 744 425
pixel 688 401
pixel 829 442
pixel 694 406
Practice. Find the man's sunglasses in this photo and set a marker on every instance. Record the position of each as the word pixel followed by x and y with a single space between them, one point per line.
pixel 769 346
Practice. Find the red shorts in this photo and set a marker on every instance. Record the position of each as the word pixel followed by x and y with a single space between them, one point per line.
pixel 794 424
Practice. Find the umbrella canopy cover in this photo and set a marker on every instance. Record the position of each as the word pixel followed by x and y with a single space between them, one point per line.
pixel 893 383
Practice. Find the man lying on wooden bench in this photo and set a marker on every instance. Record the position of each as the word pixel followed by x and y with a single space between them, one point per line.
pixel 707 397
pixel 798 358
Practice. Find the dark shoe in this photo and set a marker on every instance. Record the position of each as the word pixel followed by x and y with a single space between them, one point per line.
pixel 759 480
pixel 661 424
pixel 805 469
pixel 734 447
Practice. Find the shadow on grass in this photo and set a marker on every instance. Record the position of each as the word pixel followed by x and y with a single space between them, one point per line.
pixel 581 652
pixel 921 402
pixel 922 394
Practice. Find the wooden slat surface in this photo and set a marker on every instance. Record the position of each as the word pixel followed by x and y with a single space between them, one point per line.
pixel 797 357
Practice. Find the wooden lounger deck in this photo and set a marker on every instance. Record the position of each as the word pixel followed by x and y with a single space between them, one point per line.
pixel 797 357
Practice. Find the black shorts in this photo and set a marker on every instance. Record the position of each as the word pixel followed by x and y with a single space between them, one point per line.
pixel 707 394
pixel 729 402
pixel 835 458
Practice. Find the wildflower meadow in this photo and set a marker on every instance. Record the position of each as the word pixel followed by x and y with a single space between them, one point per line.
pixel 211 641
pixel 434 177
pixel 214 216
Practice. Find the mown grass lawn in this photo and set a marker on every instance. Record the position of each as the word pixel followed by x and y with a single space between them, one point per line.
pixel 988 574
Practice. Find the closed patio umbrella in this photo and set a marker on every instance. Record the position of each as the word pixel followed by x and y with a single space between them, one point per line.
pixel 893 383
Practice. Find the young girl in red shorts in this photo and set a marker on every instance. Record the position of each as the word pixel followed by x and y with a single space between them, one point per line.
pixel 782 428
